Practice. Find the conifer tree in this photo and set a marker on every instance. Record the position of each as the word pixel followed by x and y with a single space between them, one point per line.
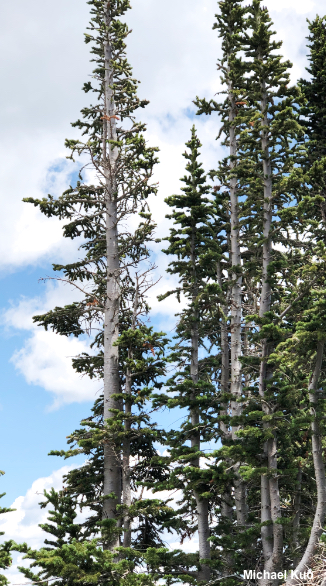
pixel 261 172
pixel 191 385
pixel 113 275
pixel 230 24
pixel 303 352
pixel 300 362
pixel 248 355
pixel 271 142
pixel 314 117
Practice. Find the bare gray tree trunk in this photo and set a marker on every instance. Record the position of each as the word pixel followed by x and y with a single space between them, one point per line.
pixel 202 504
pixel 270 496
pixel 112 460
pixel 236 309
pixel 296 519
pixel 126 471
pixel 225 356
pixel 126 487
pixel 226 497
pixel 319 466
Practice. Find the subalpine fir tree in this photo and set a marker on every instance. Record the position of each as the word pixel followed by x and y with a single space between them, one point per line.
pixel 314 118
pixel 300 362
pixel 72 559
pixel 114 274
pixel 230 24
pixel 191 385
pixel 303 353
pixel 271 142
pixel 260 124
pixel 249 346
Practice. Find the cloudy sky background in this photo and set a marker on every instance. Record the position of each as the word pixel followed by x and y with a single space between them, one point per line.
pixel 44 63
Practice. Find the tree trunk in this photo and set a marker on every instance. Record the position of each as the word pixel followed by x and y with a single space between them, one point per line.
pixel 126 472
pixel 236 382
pixel 317 453
pixel 225 358
pixel 126 487
pixel 202 504
pixel 296 519
pixel 226 497
pixel 270 497
pixel 112 460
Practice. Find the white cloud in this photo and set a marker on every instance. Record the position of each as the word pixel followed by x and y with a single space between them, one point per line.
pixel 299 7
pixel 45 358
pixel 173 50
pixel 22 525
pixel 44 63
pixel 19 316
pixel 26 235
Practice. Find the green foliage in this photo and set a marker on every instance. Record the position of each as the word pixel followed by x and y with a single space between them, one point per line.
pixel 274 126
pixel 5 548
pixel 83 563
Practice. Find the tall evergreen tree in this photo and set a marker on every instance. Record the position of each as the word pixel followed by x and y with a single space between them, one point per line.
pixel 260 123
pixel 230 24
pixel 314 117
pixel 274 132
pixel 301 358
pixel 307 339
pixel 248 355
pixel 114 273
pixel 191 385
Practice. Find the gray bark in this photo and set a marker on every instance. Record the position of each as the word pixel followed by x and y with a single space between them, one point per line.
pixel 266 530
pixel 236 313
pixel 126 472
pixel 225 357
pixel 270 504
pixel 296 519
pixel 112 460
pixel 201 504
pixel 236 386
pixel 226 497
pixel 317 453
pixel 275 561
pixel 126 487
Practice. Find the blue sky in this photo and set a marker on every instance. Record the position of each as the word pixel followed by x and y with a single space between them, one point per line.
pixel 44 64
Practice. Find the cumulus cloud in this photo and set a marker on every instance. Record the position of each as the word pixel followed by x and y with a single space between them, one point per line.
pixel 22 525
pixel 44 63
pixel 45 358
pixel 175 59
